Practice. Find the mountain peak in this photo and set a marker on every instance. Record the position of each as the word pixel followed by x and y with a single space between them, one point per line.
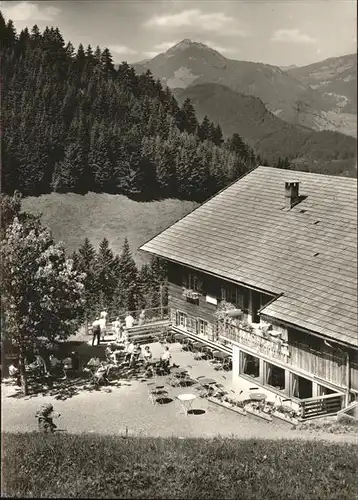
pixel 187 44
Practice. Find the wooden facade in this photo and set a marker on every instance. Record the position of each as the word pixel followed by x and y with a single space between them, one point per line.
pixel 297 364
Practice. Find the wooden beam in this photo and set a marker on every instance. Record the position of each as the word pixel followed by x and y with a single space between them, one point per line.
pixel 348 378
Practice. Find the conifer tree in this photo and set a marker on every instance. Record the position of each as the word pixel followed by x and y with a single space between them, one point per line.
pixel 128 272
pixel 104 275
pixel 85 262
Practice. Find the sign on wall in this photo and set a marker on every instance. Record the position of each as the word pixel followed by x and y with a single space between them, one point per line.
pixel 212 300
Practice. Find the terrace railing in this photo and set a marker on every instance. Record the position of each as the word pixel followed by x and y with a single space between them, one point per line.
pixel 321 405
pixel 248 337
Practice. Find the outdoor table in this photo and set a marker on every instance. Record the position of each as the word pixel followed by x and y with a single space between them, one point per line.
pixel 258 396
pixel 153 361
pixel 207 381
pixel 178 337
pixel 179 372
pixel 186 402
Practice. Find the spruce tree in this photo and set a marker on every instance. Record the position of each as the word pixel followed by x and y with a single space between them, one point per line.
pixel 128 279
pixel 104 275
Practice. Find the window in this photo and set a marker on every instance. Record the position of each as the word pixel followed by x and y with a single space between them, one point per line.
pixel 275 376
pixel 324 391
pixel 202 327
pixel 181 319
pixel 231 293
pixel 193 282
pixel 301 387
pixel 191 324
pixel 249 365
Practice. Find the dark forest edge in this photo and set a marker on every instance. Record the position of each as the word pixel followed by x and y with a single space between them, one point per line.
pixel 75 123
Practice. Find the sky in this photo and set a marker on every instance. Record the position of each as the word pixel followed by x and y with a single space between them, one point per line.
pixel 281 32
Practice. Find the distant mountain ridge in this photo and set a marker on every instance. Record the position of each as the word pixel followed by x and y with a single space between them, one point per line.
pixel 336 76
pixel 270 136
pixel 284 93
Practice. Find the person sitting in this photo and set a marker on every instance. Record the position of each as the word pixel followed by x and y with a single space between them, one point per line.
pixel 147 356
pixel 67 365
pixel 14 373
pixel 45 415
pixel 108 353
pixel 147 353
pixel 165 359
pixel 100 376
pixel 75 361
pixel 137 351
pixel 41 365
pixel 55 364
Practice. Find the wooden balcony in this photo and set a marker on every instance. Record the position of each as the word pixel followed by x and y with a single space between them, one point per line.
pixel 272 348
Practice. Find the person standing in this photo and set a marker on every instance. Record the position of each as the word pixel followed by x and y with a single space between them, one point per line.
pixel 129 350
pixel 118 329
pixel 96 331
pixel 103 323
pixel 141 319
pixel 129 320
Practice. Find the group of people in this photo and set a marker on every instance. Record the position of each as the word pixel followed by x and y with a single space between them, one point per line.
pixel 52 368
pixel 100 324
pixel 133 353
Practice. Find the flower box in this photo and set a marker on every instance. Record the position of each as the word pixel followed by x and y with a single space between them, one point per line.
pixel 188 293
pixel 257 413
pixel 284 418
pixel 228 405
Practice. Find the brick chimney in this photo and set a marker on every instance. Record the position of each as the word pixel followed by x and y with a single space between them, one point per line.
pixel 291 194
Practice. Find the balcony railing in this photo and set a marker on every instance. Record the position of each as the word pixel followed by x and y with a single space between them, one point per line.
pixel 271 347
pixel 322 405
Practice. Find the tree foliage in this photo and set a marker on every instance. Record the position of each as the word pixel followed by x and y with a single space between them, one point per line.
pixel 75 123
pixel 41 291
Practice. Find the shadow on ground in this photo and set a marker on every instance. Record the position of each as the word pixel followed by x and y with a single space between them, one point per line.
pixel 80 381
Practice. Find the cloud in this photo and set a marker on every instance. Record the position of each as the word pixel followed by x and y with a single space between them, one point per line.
pixel 224 50
pixel 163 46
pixel 122 49
pixel 150 54
pixel 27 11
pixel 195 18
pixel 292 36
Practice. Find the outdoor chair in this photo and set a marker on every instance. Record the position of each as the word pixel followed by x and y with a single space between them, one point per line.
pixel 156 392
pixel 187 344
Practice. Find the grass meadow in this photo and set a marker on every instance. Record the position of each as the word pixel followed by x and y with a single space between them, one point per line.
pixel 90 466
pixel 72 217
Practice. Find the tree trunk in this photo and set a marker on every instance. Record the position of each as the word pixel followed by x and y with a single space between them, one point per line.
pixel 86 322
pixel 23 374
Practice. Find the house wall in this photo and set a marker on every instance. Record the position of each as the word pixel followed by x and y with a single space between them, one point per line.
pixel 178 277
pixel 354 370
pixel 308 356
pixel 312 355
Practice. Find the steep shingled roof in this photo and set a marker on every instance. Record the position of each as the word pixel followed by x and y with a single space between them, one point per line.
pixel 307 253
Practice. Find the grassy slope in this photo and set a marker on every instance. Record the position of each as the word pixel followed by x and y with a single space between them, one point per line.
pixel 72 217
pixel 110 467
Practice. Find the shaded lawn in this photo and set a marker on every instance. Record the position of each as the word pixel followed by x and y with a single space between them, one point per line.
pixel 91 466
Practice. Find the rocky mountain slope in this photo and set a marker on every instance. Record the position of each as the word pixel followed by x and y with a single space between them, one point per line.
pixel 336 80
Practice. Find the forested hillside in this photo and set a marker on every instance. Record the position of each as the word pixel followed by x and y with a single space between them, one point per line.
pixel 270 137
pixel 74 123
